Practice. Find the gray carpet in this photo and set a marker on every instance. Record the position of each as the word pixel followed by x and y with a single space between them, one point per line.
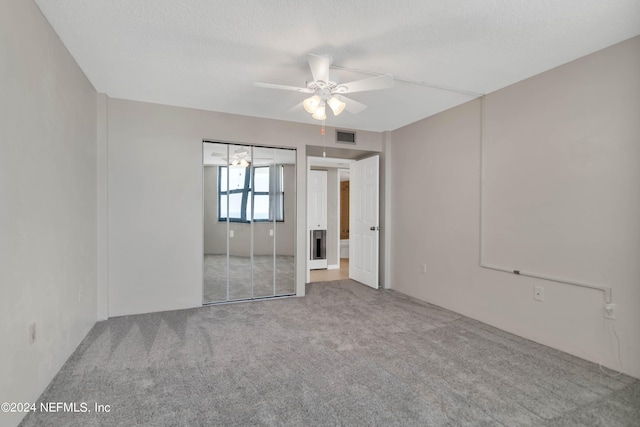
pixel 344 355
pixel 215 277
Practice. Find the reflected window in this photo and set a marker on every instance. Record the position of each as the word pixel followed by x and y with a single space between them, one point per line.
pixel 265 197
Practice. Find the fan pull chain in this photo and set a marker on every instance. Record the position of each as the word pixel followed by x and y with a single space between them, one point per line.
pixel 324 152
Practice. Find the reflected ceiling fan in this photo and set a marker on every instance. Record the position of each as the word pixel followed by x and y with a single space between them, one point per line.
pixel 240 157
pixel 326 92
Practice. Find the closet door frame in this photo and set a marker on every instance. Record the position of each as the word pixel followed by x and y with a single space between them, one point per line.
pixel 274 223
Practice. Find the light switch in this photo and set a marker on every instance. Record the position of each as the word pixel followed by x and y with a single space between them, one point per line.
pixel 271 232
pixel 230 233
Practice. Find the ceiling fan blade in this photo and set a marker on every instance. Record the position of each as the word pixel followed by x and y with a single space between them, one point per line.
pixel 384 81
pixel 296 108
pixel 282 87
pixel 353 106
pixel 319 66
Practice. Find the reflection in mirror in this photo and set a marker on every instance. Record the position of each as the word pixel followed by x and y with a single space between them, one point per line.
pixel 265 216
pixel 286 230
pixel 249 217
pixel 215 278
pixel 236 213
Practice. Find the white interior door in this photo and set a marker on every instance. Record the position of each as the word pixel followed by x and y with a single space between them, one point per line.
pixel 364 226
pixel 316 211
pixel 317 200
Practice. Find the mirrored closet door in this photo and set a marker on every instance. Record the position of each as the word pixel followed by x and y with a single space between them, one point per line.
pixel 249 222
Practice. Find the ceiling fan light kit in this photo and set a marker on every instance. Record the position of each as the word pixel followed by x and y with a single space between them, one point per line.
pixel 311 104
pixel 242 163
pixel 239 158
pixel 337 106
pixel 320 112
pixel 326 92
pixel 316 106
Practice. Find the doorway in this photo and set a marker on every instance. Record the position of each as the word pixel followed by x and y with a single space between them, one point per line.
pixel 340 269
pixel 337 228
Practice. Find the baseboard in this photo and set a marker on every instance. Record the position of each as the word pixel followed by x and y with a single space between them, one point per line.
pixel 316 264
pixel 333 267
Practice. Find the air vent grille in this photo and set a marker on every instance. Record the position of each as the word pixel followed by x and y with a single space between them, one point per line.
pixel 345 137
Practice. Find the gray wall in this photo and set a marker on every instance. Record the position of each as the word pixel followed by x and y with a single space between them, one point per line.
pixel 215 232
pixel 435 204
pixel 155 178
pixel 47 204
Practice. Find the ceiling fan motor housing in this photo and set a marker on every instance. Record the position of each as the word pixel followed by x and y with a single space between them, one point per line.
pixel 324 93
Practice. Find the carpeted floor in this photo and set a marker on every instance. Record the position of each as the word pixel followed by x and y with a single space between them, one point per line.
pixel 344 355
pixel 215 277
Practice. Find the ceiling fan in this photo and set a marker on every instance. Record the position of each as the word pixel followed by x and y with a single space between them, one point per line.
pixel 240 157
pixel 326 92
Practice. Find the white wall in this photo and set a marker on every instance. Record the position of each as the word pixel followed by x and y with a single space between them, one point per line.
pixel 155 197
pixel 436 204
pixel 102 194
pixel 48 220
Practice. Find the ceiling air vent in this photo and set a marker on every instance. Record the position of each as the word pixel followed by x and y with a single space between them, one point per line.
pixel 345 137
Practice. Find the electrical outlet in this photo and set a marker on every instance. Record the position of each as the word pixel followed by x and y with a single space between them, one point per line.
pixel 424 268
pixel 32 333
pixel 610 311
pixel 538 293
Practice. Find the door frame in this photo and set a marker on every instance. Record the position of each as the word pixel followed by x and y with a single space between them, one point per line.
pixel 339 203
pixel 352 155
pixel 295 197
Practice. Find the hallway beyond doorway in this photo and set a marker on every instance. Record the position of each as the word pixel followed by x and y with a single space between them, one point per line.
pixel 329 275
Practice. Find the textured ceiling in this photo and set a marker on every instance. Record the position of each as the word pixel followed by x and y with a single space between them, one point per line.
pixel 207 53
